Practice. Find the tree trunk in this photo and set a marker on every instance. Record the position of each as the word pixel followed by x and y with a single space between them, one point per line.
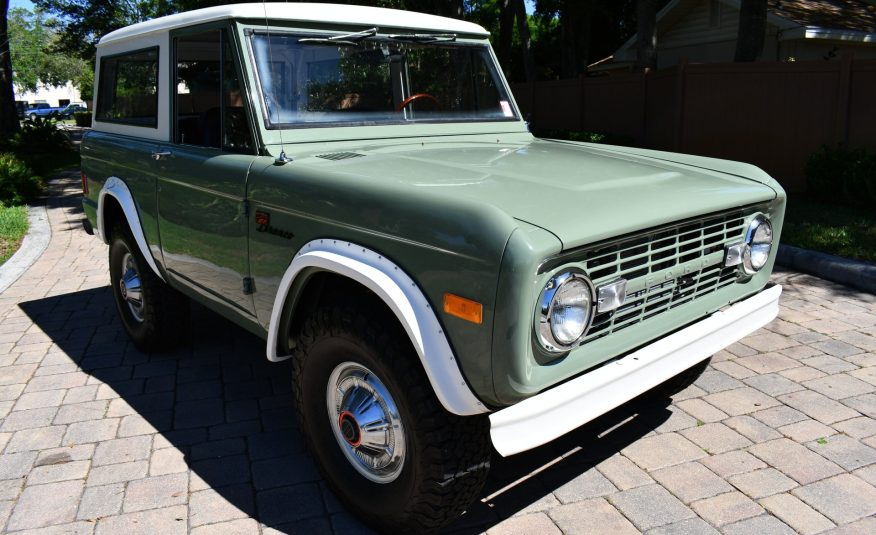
pixel 568 41
pixel 752 29
pixel 575 21
pixel 583 34
pixel 525 39
pixel 506 35
pixel 8 114
pixel 457 8
pixel 646 44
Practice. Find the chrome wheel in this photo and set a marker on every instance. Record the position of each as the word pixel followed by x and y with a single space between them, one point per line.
pixel 131 287
pixel 366 422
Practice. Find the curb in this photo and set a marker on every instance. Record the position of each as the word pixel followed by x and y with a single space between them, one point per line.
pixel 854 273
pixel 35 242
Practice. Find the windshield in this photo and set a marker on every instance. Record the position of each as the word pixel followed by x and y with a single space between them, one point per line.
pixel 309 80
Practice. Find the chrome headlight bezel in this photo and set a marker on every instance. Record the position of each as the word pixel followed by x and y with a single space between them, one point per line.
pixel 749 265
pixel 547 339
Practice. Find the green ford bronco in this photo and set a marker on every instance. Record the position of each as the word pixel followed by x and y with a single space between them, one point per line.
pixel 357 187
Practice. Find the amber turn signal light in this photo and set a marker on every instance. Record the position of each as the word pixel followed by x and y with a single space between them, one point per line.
pixel 464 308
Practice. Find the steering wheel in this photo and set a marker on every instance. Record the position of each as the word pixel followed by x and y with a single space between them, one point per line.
pixel 406 102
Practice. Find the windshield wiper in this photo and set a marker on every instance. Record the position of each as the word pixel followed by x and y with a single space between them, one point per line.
pixel 423 37
pixel 349 39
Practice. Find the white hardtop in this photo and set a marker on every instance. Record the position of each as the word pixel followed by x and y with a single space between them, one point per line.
pixel 309 13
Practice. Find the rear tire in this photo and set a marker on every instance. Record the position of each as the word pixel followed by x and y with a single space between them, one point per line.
pixel 154 315
pixel 444 458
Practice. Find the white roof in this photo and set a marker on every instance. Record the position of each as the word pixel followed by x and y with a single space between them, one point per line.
pixel 322 13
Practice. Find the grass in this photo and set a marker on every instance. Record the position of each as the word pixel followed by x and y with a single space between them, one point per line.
pixel 830 228
pixel 13 226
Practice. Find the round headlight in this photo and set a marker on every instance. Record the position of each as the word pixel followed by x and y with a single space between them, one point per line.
pixel 759 242
pixel 566 311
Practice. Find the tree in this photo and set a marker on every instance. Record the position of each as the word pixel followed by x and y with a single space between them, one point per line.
pixel 8 114
pixel 506 34
pixel 34 63
pixel 752 29
pixel 646 43
pixel 573 24
pixel 81 23
pixel 525 39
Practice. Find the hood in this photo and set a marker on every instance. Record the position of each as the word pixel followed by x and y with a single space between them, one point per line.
pixel 580 193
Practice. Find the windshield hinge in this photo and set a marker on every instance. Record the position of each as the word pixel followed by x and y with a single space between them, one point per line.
pixel 248 286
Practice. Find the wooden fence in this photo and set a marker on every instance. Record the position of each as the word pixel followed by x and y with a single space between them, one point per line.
pixel 773 115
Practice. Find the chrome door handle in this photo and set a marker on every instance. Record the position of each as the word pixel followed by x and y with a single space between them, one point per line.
pixel 158 155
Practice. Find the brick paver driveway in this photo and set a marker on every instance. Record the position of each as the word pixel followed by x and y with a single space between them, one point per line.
pixel 777 436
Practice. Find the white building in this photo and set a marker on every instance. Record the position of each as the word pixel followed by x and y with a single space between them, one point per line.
pixel 55 96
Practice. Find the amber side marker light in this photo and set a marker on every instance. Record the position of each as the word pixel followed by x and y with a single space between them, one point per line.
pixel 464 308
pixel 84 183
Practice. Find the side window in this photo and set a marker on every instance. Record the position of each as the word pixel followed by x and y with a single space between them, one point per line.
pixel 128 90
pixel 208 106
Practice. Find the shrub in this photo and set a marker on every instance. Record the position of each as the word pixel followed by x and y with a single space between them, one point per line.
pixel 18 183
pixel 42 146
pixel 39 136
pixel 82 118
pixel 843 175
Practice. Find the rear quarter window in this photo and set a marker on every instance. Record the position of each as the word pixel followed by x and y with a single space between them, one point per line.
pixel 128 88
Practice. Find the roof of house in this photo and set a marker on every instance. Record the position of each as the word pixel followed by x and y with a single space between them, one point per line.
pixel 852 20
pixel 349 15
pixel 856 15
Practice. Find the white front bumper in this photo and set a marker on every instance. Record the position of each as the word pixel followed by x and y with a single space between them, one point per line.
pixel 546 416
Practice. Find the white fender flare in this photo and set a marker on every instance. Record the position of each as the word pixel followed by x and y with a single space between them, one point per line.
pixel 116 188
pixel 404 298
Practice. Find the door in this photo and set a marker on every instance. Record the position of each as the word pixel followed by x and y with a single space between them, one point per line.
pixel 203 173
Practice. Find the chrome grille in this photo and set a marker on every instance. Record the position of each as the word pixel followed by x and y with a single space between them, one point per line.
pixel 658 268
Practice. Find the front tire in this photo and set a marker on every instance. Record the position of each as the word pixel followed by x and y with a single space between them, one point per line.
pixel 382 440
pixel 154 315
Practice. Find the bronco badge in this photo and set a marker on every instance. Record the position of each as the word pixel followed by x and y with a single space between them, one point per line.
pixel 263 224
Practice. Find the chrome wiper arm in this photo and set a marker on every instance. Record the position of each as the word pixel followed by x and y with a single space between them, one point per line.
pixel 348 39
pixel 423 37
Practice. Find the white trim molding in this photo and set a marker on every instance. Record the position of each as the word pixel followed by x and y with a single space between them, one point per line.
pixel 389 282
pixel 117 189
pixel 546 416
pixel 334 14
pixel 161 132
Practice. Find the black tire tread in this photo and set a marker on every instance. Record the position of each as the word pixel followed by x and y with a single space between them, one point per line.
pixel 458 447
pixel 166 313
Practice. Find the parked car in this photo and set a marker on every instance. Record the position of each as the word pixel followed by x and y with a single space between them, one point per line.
pixel 38 109
pixel 68 111
pixel 358 187
pixel 61 112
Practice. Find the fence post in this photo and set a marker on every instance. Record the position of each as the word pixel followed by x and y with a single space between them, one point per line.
pixel 644 140
pixel 679 104
pixel 582 101
pixel 844 89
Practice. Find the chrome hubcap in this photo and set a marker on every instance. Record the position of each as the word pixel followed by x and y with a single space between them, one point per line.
pixel 366 422
pixel 130 287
